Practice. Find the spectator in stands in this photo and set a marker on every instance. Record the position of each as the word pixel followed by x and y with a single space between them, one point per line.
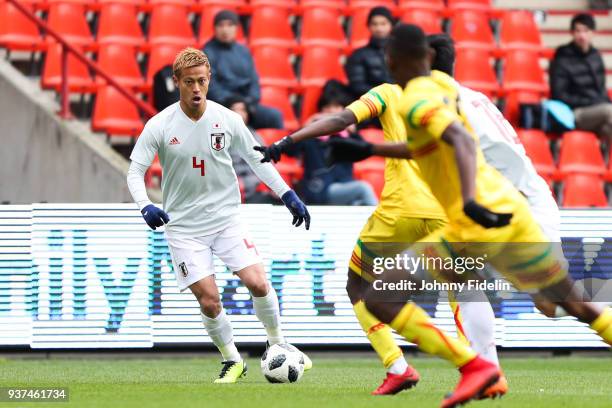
pixel 234 72
pixel 249 181
pixel 577 77
pixel 365 67
pixel 165 92
pixel 330 185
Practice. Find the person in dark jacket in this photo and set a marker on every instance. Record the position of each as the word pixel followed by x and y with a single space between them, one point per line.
pixel 577 77
pixel 365 67
pixel 234 72
pixel 333 185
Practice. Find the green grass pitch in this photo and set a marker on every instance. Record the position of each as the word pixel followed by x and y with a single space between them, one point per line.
pixel 341 381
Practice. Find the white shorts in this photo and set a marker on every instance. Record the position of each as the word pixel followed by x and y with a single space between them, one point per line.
pixel 192 257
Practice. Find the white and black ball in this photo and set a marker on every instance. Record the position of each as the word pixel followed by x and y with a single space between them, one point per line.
pixel 282 363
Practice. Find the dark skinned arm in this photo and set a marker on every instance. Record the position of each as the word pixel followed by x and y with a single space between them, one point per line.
pixel 465 156
pixel 327 125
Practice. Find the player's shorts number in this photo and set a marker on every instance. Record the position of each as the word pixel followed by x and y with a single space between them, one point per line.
pixel 199 165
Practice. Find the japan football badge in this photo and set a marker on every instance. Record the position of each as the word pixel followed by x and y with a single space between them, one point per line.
pixel 183 269
pixel 217 138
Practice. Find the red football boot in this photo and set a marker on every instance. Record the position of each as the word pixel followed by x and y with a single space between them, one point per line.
pixel 499 389
pixel 395 383
pixel 476 377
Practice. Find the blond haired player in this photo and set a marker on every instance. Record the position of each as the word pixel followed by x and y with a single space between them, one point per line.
pixel 481 205
pixel 194 138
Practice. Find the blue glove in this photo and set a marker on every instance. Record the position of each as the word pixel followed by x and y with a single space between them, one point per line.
pixel 297 209
pixel 154 217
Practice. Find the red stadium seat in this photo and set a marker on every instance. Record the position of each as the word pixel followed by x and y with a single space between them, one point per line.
pixel 279 98
pixel 476 5
pixel 274 67
pixel 321 26
pixel 580 153
pixel 270 26
pixel 522 72
pixel 471 29
pixel 290 170
pixel 207 16
pixel 372 135
pixel 118 24
pixel 310 99
pixel 17 32
pixel 115 114
pixel 161 55
pixel 68 20
pixel 230 4
pixel 119 61
pixel 170 25
pixel 270 136
pixel 520 31
pixel 359 10
pixel 372 171
pixel 79 79
pixel 183 3
pixel 537 147
pixel 514 99
pixel 137 3
pixel 473 69
pixel 584 190
pixel 430 21
pixel 319 64
pixel 436 5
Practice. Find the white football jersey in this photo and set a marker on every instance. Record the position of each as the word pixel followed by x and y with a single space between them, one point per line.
pixel 199 186
pixel 503 150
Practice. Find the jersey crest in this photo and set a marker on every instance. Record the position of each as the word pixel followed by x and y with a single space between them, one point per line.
pixel 217 141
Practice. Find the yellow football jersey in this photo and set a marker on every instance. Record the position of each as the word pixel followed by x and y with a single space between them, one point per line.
pixel 405 194
pixel 427 107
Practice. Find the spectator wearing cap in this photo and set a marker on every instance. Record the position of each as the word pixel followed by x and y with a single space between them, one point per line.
pixel 577 77
pixel 234 72
pixel 365 67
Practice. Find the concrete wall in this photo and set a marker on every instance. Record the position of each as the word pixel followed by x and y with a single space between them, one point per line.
pixel 45 159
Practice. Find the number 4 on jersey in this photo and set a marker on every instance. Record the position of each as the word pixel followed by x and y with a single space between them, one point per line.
pixel 199 165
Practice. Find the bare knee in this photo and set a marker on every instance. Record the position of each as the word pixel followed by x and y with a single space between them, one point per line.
pixel 254 278
pixel 210 305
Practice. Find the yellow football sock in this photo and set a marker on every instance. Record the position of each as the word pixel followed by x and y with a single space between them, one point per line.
pixel 603 325
pixel 414 324
pixel 379 334
pixel 454 305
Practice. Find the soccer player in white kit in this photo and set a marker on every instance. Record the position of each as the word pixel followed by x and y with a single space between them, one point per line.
pixel 201 199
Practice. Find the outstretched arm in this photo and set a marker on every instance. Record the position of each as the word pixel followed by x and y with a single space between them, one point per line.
pixel 327 125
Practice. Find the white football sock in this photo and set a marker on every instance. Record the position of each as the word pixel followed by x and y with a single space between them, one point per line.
pixel 268 313
pixel 478 320
pixel 219 330
pixel 399 366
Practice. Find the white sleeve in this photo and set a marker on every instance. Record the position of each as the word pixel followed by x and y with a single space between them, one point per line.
pixel 136 184
pixel 147 144
pixel 243 143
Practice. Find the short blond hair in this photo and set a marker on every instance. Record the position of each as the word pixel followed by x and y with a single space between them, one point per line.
pixel 187 58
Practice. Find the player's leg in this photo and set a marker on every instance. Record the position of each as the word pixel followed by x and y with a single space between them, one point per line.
pixel 236 249
pixel 194 269
pixel 400 375
pixel 531 262
pixel 475 321
pixel 415 325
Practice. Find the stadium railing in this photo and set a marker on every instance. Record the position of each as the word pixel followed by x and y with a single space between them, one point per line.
pixel 64 112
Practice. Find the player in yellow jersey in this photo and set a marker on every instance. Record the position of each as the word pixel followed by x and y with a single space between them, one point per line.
pixel 486 214
pixel 407 212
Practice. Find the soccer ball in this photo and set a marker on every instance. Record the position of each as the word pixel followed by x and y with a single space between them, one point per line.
pixel 282 363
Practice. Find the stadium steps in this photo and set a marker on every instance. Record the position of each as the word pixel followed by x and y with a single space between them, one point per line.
pixel 57 160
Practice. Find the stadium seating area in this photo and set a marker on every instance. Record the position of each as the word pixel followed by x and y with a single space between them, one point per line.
pixel 297 46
